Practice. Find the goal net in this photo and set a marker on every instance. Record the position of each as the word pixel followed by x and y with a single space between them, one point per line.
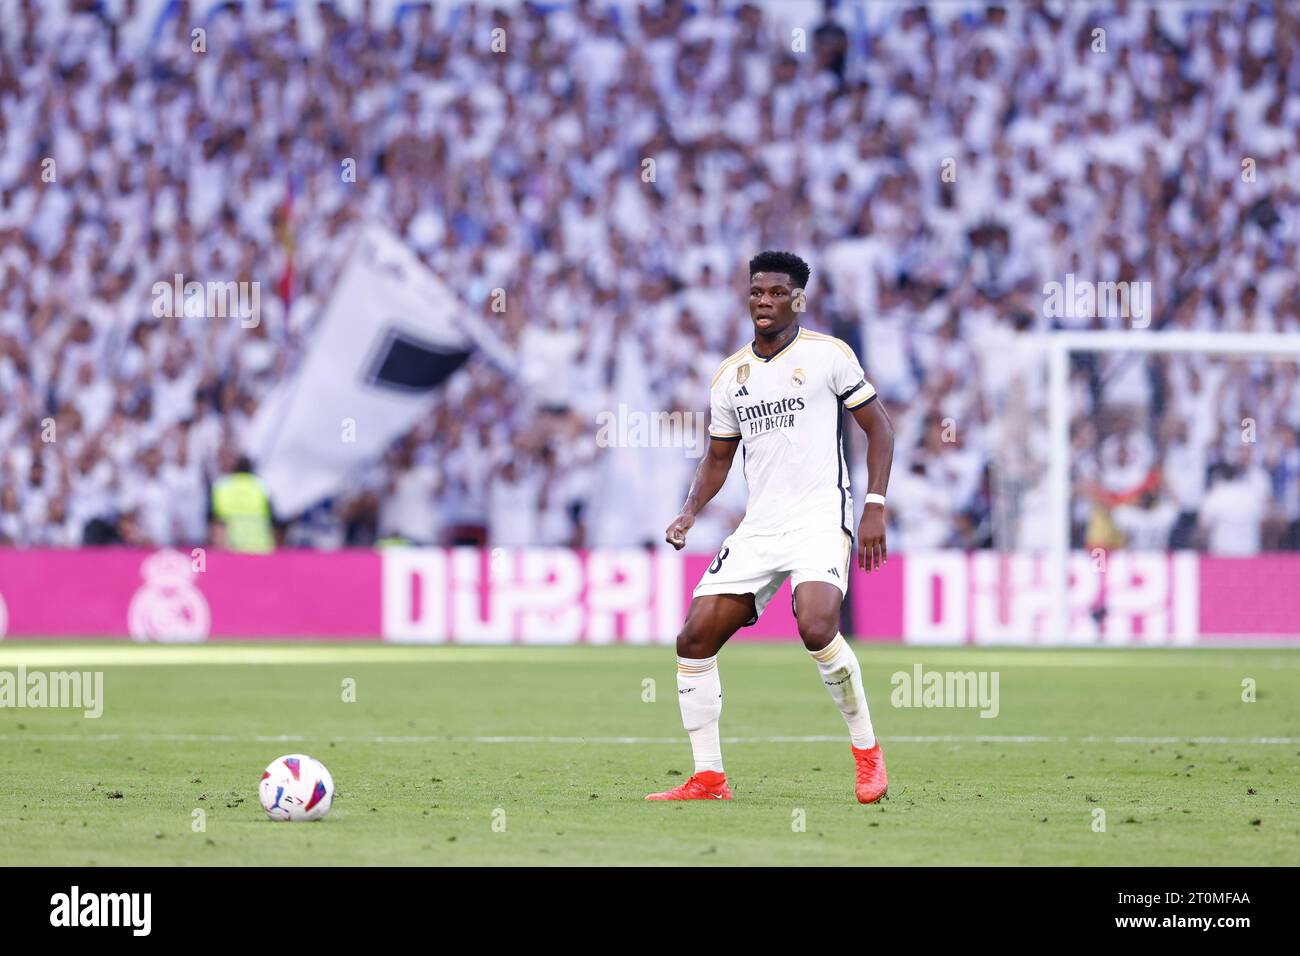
pixel 1143 487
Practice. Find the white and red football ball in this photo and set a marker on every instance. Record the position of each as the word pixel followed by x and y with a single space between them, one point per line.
pixel 296 787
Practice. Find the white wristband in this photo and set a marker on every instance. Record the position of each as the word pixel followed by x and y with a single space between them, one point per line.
pixel 874 499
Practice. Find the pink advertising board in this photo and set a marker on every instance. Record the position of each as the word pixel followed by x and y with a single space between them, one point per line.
pixel 1250 599
pixel 1116 599
pixel 182 597
pixel 637 596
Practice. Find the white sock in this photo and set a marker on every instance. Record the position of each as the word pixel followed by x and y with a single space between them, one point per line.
pixel 843 678
pixel 699 693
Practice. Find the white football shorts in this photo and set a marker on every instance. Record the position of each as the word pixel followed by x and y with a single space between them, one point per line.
pixel 758 564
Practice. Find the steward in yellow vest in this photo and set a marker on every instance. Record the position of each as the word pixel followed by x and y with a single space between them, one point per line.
pixel 241 512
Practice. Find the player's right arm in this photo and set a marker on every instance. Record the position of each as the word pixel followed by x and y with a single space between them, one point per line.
pixel 724 436
pixel 709 479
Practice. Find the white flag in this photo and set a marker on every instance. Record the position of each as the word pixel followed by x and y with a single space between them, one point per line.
pixel 390 336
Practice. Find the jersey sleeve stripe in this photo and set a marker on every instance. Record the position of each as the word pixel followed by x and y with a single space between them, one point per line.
pixel 845 396
pixel 866 401
pixel 843 347
pixel 735 437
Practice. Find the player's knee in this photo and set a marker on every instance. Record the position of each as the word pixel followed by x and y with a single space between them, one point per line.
pixel 692 643
pixel 818 628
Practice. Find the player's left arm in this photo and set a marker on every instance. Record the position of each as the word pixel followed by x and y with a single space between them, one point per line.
pixel 874 421
pixel 849 384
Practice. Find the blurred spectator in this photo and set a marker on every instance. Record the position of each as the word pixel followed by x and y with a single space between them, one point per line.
pixel 1148 523
pixel 1232 512
pixel 1285 474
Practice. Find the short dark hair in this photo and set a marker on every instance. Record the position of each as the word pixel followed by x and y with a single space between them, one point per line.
pixel 787 262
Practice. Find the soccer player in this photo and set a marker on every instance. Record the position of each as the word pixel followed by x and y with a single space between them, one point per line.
pixel 781 399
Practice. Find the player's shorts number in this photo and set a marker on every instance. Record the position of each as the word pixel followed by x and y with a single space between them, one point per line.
pixel 716 566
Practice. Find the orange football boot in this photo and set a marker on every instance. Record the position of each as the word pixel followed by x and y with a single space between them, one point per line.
pixel 872 782
pixel 705 785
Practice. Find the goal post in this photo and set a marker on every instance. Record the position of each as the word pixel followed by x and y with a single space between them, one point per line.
pixel 1057 348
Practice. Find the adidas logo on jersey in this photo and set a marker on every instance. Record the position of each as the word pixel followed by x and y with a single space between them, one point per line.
pixel 744 390
pixel 834 571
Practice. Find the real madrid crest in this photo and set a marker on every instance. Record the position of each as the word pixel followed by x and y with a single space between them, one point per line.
pixel 797 379
pixel 742 373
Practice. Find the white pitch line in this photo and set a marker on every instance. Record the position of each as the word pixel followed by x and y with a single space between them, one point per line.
pixel 608 741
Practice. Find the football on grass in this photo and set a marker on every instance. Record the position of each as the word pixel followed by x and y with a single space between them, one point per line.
pixel 295 788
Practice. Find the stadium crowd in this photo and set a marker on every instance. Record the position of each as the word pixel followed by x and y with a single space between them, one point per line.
pixel 613 168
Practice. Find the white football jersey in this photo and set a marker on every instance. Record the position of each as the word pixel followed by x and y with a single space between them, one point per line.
pixel 786 413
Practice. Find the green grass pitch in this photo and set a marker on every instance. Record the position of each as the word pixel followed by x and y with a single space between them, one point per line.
pixel 542 756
